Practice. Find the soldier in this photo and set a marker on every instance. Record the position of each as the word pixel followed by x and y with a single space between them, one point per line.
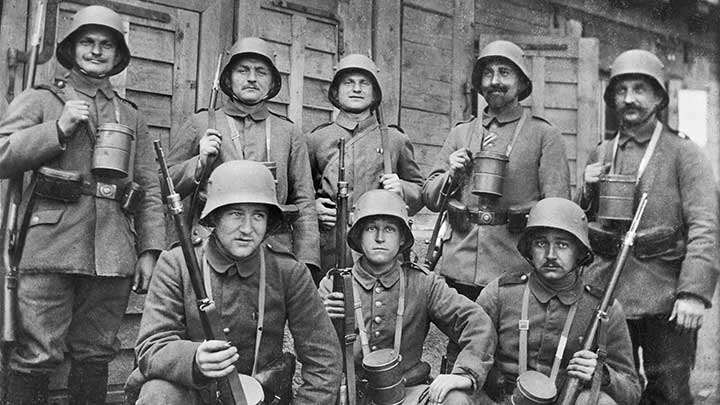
pixel 248 129
pixel 84 239
pixel 481 244
pixel 551 299
pixel 176 363
pixel 671 274
pixel 384 286
pixel 355 91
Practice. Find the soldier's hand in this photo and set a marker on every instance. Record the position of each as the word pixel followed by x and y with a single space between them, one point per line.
pixel 445 383
pixel 688 313
pixel 459 160
pixel 209 145
pixel 582 365
pixel 326 211
pixel 335 305
pixel 143 271
pixel 594 170
pixel 215 358
pixel 391 182
pixel 74 112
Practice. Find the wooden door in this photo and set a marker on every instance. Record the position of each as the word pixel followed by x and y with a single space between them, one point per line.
pixel 305 43
pixel 564 73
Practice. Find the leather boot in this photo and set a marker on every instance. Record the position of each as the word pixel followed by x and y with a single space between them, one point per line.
pixel 87 383
pixel 25 389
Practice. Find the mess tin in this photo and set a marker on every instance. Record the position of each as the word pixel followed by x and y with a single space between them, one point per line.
pixel 488 173
pixel 113 146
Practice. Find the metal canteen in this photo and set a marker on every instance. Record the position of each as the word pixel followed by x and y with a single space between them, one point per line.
pixel 533 388
pixel 113 146
pixel 488 173
pixel 616 197
pixel 386 384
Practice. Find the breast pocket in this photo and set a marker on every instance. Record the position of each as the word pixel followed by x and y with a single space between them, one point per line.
pixel 47 217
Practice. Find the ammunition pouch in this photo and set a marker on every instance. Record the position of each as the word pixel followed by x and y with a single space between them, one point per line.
pixel 276 379
pixel 495 385
pixel 517 216
pixel 658 241
pixel 458 216
pixel 68 186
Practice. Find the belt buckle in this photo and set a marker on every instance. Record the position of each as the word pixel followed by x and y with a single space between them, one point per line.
pixel 485 217
pixel 105 190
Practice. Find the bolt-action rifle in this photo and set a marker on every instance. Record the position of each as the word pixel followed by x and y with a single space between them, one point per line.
pixel 342 282
pixel 572 385
pixel 209 316
pixel 13 238
pixel 434 250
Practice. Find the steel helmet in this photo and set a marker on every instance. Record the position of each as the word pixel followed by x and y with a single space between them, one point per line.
pixel 355 62
pixel 506 50
pixel 255 47
pixel 557 213
pixel 384 203
pixel 99 16
pixel 637 62
pixel 242 181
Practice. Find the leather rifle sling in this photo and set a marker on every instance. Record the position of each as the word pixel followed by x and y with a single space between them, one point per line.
pixel 649 151
pixel 350 336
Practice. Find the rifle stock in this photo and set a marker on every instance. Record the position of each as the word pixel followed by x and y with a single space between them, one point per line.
pixel 435 245
pixel 384 141
pixel 209 317
pixel 12 236
pixel 572 385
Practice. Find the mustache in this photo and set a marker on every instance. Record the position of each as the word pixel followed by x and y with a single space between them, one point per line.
pixel 551 263
pixel 497 87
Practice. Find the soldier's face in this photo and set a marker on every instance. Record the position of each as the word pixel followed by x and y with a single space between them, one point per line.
pixel 554 253
pixel 501 84
pixel 380 240
pixel 241 227
pixel 355 92
pixel 636 100
pixel 96 51
pixel 251 79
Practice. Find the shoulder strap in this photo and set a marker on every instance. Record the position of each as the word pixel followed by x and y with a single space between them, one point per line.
pixel 524 326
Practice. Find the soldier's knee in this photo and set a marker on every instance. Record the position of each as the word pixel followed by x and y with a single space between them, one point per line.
pixel 165 392
pixel 603 399
pixel 458 397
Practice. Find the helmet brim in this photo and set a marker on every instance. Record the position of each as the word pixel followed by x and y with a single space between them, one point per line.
pixel 353 236
pixel 334 85
pixel 65 52
pixel 476 79
pixel 226 80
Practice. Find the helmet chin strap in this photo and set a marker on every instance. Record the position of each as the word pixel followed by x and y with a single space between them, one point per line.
pixel 93 75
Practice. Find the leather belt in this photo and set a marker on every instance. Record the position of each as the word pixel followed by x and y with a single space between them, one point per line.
pixel 488 217
pixel 103 190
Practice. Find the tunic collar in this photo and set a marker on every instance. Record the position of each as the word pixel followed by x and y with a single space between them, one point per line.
pixel 344 120
pixel 222 263
pixel 258 112
pixel 367 280
pixel 544 292
pixel 506 116
pixel 89 86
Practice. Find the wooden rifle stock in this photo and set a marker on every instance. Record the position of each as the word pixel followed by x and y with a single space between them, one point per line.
pixel 209 317
pixel 195 203
pixel 13 238
pixel 434 250
pixel 572 385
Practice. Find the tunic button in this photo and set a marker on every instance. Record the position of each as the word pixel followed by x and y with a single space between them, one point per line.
pixel 377 333
pixel 35 219
pixel 378 303
pixel 378 289
pixel 373 348
pixel 377 319
pixel 523 277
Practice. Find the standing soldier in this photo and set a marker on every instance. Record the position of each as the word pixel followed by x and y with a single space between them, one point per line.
pixel 395 303
pixel 85 238
pixel 481 245
pixel 355 90
pixel 556 305
pixel 670 277
pixel 248 130
pixel 258 287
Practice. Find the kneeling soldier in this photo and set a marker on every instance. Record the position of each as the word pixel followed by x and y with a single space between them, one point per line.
pixel 395 303
pixel 541 315
pixel 257 287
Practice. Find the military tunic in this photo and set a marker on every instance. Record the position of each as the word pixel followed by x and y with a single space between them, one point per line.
pixel 287 150
pixel 170 330
pixel 547 311
pixel 79 256
pixel 537 169
pixel 363 165
pixel 427 299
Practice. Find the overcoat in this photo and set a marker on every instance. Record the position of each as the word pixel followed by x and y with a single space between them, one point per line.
pixel 537 169
pixel 287 149
pixel 92 236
